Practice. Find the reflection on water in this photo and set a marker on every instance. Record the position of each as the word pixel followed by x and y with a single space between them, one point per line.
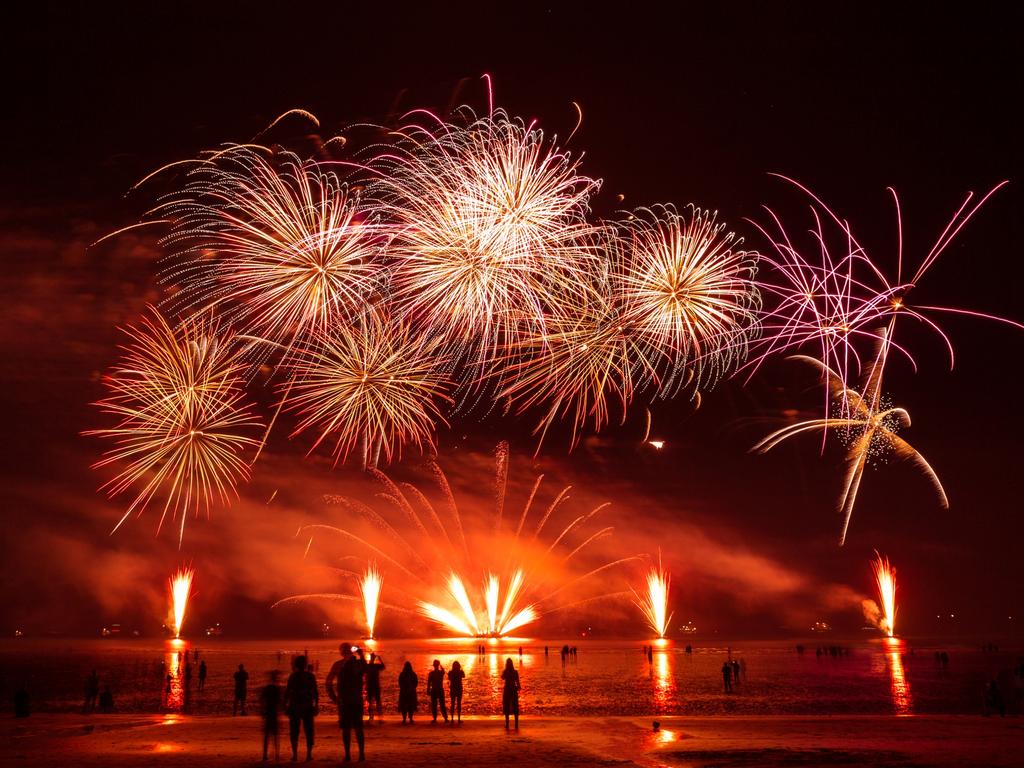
pixel 175 682
pixel 607 677
pixel 664 680
pixel 901 699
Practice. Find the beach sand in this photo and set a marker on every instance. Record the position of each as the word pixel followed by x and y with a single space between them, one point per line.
pixel 198 742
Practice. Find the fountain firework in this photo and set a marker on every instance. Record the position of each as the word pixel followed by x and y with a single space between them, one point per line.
pixel 371 586
pixel 522 572
pixel 654 602
pixel 885 578
pixel 181 587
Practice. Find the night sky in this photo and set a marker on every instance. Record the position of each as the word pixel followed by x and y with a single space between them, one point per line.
pixel 689 105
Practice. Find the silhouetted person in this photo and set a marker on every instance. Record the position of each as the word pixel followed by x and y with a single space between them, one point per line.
pixel 188 674
pixel 107 700
pixel 435 690
pixel 241 689
pixel 349 671
pixel 510 695
pixel 373 669
pixel 727 676
pixel 202 675
pixel 301 701
pixel 455 678
pixel 736 672
pixel 650 654
pixel 92 691
pixel 167 688
pixel 407 684
pixel 21 702
pixel 689 650
pixel 520 651
pixel 545 651
pixel 994 699
pixel 270 710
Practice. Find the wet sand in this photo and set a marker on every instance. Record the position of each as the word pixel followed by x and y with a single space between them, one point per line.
pixel 700 742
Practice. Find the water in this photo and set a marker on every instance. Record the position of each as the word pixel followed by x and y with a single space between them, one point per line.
pixel 606 677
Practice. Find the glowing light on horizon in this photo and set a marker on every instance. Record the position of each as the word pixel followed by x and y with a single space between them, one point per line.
pixel 654 601
pixel 370 586
pixel 180 588
pixel 885 580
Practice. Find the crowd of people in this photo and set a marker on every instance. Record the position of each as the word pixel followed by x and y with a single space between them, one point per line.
pixel 352 683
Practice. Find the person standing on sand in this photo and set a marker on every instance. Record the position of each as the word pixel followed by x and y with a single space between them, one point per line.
pixel 455 678
pixel 407 684
pixel 270 710
pixel 92 692
pixel 510 695
pixel 202 674
pixel 435 690
pixel 727 676
pixel 301 702
pixel 241 688
pixel 373 669
pixel 349 671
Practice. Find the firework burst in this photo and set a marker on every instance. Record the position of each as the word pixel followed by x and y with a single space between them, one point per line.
pixel 686 289
pixel 375 387
pixel 279 246
pixel 585 365
pixel 181 417
pixel 490 228
pixel 869 427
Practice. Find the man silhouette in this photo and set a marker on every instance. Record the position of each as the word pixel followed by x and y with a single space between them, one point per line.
pixel 348 671
pixel 435 690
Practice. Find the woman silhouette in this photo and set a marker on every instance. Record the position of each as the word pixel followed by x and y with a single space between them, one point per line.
pixel 455 678
pixel 510 696
pixel 407 683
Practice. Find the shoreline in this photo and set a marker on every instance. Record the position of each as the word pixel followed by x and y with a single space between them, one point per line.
pixel 191 741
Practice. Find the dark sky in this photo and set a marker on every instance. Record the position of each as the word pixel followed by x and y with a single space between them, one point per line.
pixel 682 105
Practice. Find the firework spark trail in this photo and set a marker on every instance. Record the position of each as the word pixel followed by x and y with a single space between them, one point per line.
pixel 885 580
pixel 371 584
pixel 182 415
pixel 654 601
pixel 842 300
pixel 491 588
pixel 869 425
pixel 180 587
pixel 457 590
